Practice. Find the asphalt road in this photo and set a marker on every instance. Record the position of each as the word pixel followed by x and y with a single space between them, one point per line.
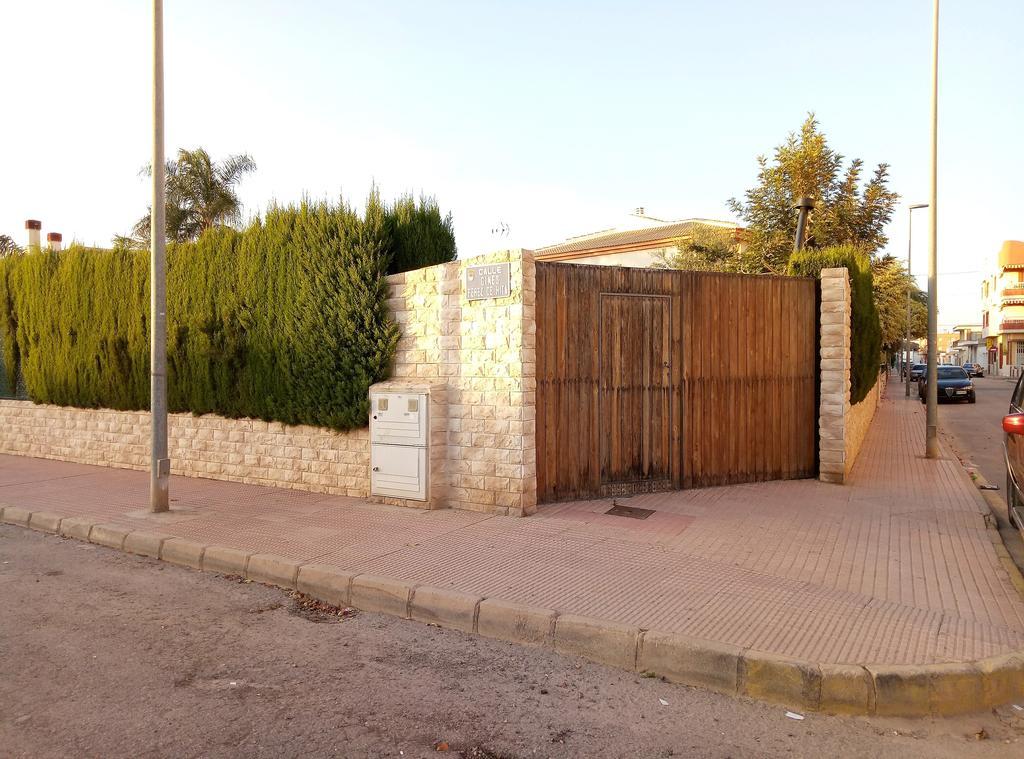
pixel 108 655
pixel 976 435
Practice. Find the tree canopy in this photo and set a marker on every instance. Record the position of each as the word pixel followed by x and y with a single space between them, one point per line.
pixel 707 248
pixel 891 282
pixel 848 211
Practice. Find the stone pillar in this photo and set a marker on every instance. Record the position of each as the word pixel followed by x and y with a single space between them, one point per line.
pixel 834 406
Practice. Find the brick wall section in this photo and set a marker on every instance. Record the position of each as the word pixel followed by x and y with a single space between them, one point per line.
pixel 859 421
pixel 481 353
pixel 834 406
pixel 241 450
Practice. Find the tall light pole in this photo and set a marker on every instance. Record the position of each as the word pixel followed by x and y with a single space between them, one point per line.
pixel 910 280
pixel 932 423
pixel 160 464
pixel 804 206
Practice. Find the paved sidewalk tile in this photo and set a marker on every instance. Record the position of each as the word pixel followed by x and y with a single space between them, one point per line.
pixel 896 567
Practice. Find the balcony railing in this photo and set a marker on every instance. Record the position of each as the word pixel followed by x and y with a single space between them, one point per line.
pixel 1011 325
pixel 1012 292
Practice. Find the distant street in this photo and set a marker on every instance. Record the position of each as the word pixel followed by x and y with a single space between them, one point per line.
pixel 111 655
pixel 978 427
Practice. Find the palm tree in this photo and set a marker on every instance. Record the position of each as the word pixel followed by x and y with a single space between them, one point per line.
pixel 8 246
pixel 200 194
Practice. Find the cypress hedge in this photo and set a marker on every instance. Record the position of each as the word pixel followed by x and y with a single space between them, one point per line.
pixel 284 320
pixel 865 327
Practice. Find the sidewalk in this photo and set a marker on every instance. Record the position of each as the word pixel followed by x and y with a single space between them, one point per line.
pixel 897 567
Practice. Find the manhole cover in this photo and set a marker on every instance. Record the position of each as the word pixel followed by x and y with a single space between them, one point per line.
pixel 629 511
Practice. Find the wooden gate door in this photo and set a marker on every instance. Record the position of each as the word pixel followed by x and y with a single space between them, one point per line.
pixel 652 379
pixel 634 393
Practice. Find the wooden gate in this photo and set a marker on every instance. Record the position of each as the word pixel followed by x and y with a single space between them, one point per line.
pixel 656 379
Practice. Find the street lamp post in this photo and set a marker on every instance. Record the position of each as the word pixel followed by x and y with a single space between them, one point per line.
pixel 160 464
pixel 803 206
pixel 932 423
pixel 906 347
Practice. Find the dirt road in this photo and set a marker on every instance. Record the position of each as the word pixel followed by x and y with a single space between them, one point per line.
pixel 103 654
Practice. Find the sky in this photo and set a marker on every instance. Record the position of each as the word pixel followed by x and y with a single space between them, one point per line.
pixel 553 118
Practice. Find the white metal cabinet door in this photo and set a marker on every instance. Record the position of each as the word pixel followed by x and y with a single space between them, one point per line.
pixel 398 471
pixel 398 418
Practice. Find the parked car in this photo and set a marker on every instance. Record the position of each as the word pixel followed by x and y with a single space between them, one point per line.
pixel 917 371
pixel 974 370
pixel 1013 449
pixel 953 385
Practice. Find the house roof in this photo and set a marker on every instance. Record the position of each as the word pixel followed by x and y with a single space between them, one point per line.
pixel 617 239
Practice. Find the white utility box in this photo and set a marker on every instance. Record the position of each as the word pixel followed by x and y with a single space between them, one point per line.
pixel 399 435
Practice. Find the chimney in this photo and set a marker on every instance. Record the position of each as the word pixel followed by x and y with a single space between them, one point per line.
pixel 33 226
pixel 53 239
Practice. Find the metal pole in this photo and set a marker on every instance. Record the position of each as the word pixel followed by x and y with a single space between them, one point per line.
pixel 160 464
pixel 910 248
pixel 932 428
pixel 910 282
pixel 804 206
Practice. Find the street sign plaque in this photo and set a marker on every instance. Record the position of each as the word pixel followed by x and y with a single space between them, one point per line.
pixel 488 281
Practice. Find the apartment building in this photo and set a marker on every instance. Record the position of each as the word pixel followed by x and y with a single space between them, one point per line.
pixel 1002 319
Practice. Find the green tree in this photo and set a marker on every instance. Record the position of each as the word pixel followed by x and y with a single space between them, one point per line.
pixel 201 194
pixel 890 284
pixel 847 210
pixel 707 248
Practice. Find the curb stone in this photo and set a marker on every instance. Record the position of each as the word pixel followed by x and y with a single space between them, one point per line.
pixel 225 561
pixel 16 516
pixel 109 535
pixel 777 678
pixel 183 552
pixel 325 582
pixel 516 623
pixel 447 608
pixel 690 661
pixel 144 543
pixel 45 521
pixel 381 594
pixel 883 690
pixel 846 689
pixel 273 570
pixel 606 642
pixel 76 527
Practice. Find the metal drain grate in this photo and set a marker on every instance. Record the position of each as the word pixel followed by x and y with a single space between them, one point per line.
pixel 629 511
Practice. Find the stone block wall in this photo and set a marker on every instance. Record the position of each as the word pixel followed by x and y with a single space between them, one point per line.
pixel 240 450
pixel 842 427
pixel 859 421
pixel 478 358
pixel 834 408
pixel 485 351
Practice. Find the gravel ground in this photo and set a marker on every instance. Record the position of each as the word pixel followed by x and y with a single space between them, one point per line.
pixel 103 654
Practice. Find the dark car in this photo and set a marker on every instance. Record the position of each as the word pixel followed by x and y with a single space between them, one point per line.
pixel 917 371
pixel 1013 448
pixel 953 385
pixel 974 370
